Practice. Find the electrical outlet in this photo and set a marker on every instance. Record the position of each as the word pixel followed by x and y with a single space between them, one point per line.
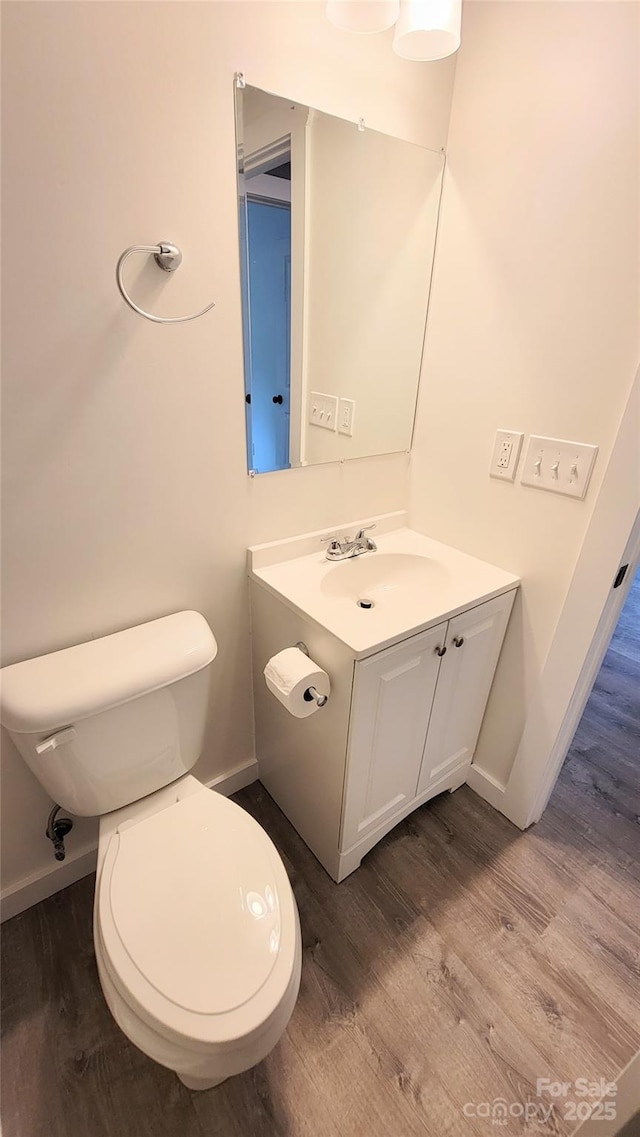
pixel 506 452
pixel 346 415
pixel 323 410
pixel 558 466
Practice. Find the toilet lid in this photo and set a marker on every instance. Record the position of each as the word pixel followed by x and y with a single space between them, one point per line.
pixel 194 900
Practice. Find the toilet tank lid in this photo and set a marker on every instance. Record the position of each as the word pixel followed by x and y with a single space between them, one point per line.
pixel 56 690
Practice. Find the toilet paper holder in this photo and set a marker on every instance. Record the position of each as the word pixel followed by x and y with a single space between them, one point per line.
pixel 311 694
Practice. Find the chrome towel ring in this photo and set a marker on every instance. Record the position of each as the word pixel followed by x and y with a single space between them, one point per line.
pixel 167 257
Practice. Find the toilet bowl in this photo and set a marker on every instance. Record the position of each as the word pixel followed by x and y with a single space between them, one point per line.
pixel 204 975
pixel 196 930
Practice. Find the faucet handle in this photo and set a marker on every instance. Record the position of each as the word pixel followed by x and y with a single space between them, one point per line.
pixel 332 542
pixel 361 532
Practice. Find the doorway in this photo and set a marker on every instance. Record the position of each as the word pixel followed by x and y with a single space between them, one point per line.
pixel 266 241
pixel 530 808
pixel 603 762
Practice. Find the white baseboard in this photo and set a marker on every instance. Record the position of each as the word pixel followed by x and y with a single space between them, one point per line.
pixel 17 897
pixel 487 787
pixel 235 780
pixel 45 882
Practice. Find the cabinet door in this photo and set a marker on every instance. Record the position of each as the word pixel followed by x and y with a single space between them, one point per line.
pixel 392 698
pixel 474 639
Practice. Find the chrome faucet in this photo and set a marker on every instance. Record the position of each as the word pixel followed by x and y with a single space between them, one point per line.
pixel 338 550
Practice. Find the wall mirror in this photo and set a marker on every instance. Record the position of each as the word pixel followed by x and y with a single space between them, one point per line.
pixel 337 232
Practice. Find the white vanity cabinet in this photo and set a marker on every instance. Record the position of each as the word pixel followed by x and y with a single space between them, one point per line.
pixel 473 641
pixel 393 695
pixel 410 671
pixel 416 713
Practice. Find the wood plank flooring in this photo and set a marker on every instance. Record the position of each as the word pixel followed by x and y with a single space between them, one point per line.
pixel 460 963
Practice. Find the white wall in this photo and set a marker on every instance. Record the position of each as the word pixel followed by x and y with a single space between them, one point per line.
pixel 125 492
pixel 534 315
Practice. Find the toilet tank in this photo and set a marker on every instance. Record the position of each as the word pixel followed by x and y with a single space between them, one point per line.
pixel 107 722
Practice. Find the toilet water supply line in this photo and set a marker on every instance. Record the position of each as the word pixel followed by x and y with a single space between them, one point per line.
pixel 56 831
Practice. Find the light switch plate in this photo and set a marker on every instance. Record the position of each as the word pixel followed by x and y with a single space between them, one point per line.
pixel 558 466
pixel 346 415
pixel 323 410
pixel 506 452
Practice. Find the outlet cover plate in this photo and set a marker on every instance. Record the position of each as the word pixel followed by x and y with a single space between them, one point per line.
pixel 506 452
pixel 323 410
pixel 346 415
pixel 558 466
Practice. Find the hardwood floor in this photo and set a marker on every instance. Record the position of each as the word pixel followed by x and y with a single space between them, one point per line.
pixel 460 963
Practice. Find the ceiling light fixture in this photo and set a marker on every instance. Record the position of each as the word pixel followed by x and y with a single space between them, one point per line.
pixel 425 29
pixel 363 16
pixel 428 29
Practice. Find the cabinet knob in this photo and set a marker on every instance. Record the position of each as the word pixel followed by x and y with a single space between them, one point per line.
pixel 441 650
pixel 458 641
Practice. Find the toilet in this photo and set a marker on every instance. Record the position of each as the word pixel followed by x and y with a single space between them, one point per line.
pixel 196 929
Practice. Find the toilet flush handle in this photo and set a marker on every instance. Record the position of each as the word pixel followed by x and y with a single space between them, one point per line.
pixel 52 743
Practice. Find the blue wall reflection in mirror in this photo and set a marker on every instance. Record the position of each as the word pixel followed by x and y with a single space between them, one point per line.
pixel 269 289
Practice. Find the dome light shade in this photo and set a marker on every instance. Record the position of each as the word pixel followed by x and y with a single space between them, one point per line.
pixel 428 29
pixel 363 16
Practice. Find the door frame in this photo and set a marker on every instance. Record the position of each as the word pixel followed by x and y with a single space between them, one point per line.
pixel 593 662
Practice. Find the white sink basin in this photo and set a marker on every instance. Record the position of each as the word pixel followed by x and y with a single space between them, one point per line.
pixel 384 578
pixel 413 581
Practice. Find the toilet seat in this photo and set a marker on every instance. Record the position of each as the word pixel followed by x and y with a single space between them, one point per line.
pixel 197 921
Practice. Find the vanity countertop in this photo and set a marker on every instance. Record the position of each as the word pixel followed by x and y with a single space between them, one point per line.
pixel 413 581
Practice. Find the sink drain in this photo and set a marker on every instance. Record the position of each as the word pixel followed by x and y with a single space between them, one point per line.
pixel 365 603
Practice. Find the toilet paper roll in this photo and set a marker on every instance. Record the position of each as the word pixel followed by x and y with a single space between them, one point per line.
pixel 291 673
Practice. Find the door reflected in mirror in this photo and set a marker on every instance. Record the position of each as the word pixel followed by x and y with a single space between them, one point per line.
pixel 337 234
